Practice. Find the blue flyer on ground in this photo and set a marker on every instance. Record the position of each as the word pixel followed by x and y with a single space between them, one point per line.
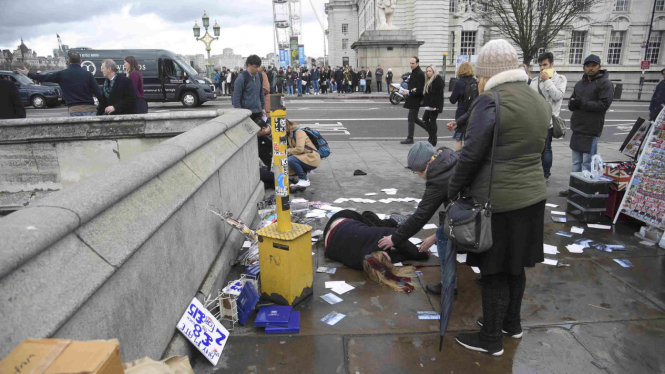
pixel 273 316
pixel 247 302
pixel 294 326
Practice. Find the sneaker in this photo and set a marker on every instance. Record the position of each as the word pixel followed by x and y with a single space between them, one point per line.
pixel 472 341
pixel 407 141
pixel 563 193
pixel 513 334
pixel 301 183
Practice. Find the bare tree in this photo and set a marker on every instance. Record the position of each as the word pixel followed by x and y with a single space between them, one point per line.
pixel 532 24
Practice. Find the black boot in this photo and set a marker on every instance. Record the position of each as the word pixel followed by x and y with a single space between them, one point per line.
pixel 407 141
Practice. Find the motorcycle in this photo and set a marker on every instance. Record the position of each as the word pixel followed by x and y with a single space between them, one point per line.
pixel 395 96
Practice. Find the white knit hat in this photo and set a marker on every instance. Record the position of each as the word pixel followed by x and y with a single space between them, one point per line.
pixel 496 56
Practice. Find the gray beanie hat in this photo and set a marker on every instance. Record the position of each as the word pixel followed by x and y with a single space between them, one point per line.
pixel 496 56
pixel 419 156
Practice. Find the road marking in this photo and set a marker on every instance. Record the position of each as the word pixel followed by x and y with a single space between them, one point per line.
pixel 621 133
pixel 328 129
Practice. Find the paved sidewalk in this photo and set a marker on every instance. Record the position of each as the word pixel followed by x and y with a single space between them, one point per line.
pixel 591 317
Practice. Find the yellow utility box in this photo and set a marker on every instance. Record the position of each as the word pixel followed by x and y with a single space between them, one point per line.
pixel 285 248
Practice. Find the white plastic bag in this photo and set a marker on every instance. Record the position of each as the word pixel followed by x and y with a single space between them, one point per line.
pixel 597 166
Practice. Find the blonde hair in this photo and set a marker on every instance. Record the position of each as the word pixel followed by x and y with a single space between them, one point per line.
pixel 465 70
pixel 482 81
pixel 386 267
pixel 428 80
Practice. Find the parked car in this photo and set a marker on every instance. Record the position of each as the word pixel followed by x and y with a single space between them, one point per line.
pixel 33 94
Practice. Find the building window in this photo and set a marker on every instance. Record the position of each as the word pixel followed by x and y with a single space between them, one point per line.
pixel 621 5
pixel 576 47
pixel 468 45
pixel 451 46
pixel 614 49
pixel 660 5
pixel 453 6
pixel 345 28
pixel 654 47
pixel 535 57
pixel 345 61
pixel 345 43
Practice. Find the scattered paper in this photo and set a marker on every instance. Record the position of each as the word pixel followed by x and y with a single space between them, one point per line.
pixel 596 226
pixel 461 258
pixel 625 263
pixel 648 243
pixel 475 269
pixel 577 230
pixel 564 233
pixel 332 284
pixel 338 201
pixel 381 216
pixel 434 249
pixel 315 233
pixel 550 249
pixel 558 213
pixel 616 247
pixel 550 262
pixel 419 273
pixel 398 264
pixel 559 219
pixel 332 318
pixel 331 298
pixel 430 226
pixel 415 241
pixel 328 270
pixel 299 200
pixel 575 248
pixel 371 194
pixel 551 205
pixel 246 244
pixel 429 316
pixel 390 191
pixel 342 288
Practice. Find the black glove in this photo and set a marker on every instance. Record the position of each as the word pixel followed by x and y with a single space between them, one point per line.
pixel 575 104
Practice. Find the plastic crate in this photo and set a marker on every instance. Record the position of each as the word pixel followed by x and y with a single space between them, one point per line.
pixel 586 214
pixel 587 201
pixel 589 186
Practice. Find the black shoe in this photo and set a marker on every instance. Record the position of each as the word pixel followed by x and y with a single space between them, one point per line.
pixel 563 193
pixel 479 280
pixel 472 341
pixel 434 288
pixel 517 334
pixel 407 141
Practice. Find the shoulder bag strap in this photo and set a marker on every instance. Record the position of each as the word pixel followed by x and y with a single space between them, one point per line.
pixel 497 103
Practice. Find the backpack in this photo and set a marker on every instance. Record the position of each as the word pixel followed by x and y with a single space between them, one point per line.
pixel 318 141
pixel 470 94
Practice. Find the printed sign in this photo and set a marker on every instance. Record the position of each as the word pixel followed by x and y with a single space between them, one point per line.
pixel 282 140
pixel 280 124
pixel 283 58
pixel 233 289
pixel 204 331
pixel 301 55
pixel 89 66
pixel 282 184
pixel 285 165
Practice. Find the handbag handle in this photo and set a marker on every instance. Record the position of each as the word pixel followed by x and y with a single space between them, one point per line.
pixel 497 103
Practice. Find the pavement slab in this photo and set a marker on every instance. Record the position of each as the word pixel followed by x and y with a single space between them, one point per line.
pixel 646 277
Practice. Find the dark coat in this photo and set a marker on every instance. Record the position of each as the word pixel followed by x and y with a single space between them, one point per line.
pixel 434 97
pixel 122 97
pixel 457 97
pixel 417 82
pixel 10 101
pixel 592 98
pixel 437 176
pixel 78 85
pixel 339 76
pixel 657 101
pixel 518 179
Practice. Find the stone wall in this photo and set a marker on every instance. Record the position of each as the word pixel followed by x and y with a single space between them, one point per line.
pixel 122 253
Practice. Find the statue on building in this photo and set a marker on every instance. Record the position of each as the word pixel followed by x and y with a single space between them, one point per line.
pixel 385 11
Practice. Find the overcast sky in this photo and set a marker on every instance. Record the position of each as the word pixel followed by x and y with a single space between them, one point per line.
pixel 246 25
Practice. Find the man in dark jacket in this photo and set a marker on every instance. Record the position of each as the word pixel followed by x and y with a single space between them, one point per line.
pixel 413 98
pixel 658 99
pixel 77 84
pixel 119 94
pixel 379 76
pixel 11 105
pixel 436 167
pixel 339 81
pixel 591 98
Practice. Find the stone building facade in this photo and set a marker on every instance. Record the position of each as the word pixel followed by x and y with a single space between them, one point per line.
pixel 615 31
pixel 24 56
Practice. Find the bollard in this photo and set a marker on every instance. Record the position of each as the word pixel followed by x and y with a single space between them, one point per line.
pixel 285 248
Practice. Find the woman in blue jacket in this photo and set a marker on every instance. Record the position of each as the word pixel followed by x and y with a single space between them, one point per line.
pixel 465 79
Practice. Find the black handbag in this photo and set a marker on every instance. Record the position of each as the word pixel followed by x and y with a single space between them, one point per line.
pixel 468 223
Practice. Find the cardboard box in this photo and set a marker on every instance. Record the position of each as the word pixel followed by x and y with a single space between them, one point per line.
pixel 61 356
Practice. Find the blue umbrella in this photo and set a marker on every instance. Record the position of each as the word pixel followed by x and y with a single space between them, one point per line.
pixel 448 277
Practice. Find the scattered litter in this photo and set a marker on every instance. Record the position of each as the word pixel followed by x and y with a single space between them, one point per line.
pixel 317 233
pixel 331 298
pixel 624 262
pixel 550 249
pixel 273 316
pixel 561 264
pixel 371 194
pixel 420 273
pixel 197 318
pixel 558 213
pixel 584 242
pixel 328 270
pixel 233 288
pixel 332 318
pixel 475 269
pixel 342 288
pixel 415 241
pixel 390 191
pixel 332 284
pixel 299 200
pixel 575 248
pixel 616 247
pixel 550 262
pixel 461 258
pixel 359 172
pixel 398 264
pixel 246 244
pixel 577 230
pixel 381 216
pixel 559 219
pixel 648 243
pixel 551 205
pixel 427 314
pixel 340 200
pixel 599 307
pixel 596 226
pixel 430 226
pixel 564 233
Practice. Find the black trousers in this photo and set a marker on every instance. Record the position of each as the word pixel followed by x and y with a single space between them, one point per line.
pixel 413 121
pixel 502 295
pixel 369 87
pixel 429 117
pixel 378 85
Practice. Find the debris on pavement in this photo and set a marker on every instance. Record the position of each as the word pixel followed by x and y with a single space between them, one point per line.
pixel 332 318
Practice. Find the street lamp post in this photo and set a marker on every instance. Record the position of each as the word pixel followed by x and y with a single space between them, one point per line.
pixel 207 39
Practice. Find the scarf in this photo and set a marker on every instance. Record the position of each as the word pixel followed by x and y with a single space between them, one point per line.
pixel 108 86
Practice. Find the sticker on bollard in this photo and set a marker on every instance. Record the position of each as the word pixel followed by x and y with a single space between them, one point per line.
pixel 282 185
pixel 280 124
pixel 204 331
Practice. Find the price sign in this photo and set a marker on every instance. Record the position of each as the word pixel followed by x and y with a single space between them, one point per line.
pixel 646 65
pixel 204 331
